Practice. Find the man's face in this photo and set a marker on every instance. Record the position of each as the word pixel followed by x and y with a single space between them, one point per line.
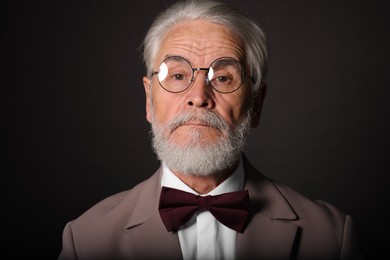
pixel 200 42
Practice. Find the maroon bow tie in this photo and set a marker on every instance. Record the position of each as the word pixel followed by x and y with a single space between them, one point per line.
pixel 177 207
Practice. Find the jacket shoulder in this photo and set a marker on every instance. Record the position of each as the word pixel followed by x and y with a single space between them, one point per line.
pixel 114 212
pixel 281 201
pixel 100 230
pixel 306 207
pixel 113 203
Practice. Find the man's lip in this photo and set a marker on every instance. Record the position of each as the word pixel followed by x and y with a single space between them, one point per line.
pixel 195 123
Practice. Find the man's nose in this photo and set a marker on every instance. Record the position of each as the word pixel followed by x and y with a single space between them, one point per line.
pixel 200 94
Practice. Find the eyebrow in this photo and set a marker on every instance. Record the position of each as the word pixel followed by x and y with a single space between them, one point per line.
pixel 175 55
pixel 188 60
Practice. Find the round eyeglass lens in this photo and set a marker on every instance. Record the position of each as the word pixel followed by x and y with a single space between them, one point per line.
pixel 175 74
pixel 225 75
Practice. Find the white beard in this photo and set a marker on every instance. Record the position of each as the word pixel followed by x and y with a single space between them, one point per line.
pixel 198 158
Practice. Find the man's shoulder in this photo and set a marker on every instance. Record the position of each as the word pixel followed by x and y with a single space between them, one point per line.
pixel 116 208
pixel 282 201
pixel 322 228
pixel 305 206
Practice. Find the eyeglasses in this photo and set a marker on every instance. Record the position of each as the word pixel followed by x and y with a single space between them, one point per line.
pixel 176 74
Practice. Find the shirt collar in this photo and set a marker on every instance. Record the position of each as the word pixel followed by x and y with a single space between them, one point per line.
pixel 234 182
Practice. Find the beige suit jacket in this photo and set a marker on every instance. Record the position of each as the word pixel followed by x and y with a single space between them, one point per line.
pixel 284 225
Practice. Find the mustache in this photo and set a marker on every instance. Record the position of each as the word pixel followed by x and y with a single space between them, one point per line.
pixel 206 117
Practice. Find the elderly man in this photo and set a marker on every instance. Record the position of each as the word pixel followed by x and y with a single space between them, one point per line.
pixel 204 87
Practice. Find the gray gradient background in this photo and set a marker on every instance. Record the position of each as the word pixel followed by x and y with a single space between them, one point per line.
pixel 74 115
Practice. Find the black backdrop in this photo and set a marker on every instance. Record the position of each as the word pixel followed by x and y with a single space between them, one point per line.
pixel 74 115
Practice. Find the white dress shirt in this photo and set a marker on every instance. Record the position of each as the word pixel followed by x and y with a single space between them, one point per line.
pixel 203 237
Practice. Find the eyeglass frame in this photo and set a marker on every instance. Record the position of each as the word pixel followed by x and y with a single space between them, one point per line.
pixel 243 74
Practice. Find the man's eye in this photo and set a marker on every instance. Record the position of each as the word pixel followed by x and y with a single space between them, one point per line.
pixel 178 76
pixel 222 79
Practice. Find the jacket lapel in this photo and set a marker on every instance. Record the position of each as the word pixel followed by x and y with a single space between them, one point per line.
pixel 145 232
pixel 269 234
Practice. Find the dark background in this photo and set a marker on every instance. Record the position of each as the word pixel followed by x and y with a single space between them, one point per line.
pixel 74 128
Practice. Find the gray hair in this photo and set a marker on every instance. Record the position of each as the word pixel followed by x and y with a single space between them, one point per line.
pixel 252 37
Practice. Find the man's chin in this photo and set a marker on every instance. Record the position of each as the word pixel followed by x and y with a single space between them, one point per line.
pixel 193 142
pixel 195 138
pixel 197 133
pixel 197 156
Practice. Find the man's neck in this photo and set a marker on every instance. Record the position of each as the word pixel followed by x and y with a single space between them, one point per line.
pixel 205 184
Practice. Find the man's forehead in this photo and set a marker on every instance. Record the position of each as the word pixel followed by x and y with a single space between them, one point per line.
pixel 200 39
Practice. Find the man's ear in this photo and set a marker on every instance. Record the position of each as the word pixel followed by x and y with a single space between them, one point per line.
pixel 258 100
pixel 147 88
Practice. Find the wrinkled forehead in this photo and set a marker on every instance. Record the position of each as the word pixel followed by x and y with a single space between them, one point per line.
pixel 200 42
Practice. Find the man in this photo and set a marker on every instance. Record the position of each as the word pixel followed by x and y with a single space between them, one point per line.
pixel 204 87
